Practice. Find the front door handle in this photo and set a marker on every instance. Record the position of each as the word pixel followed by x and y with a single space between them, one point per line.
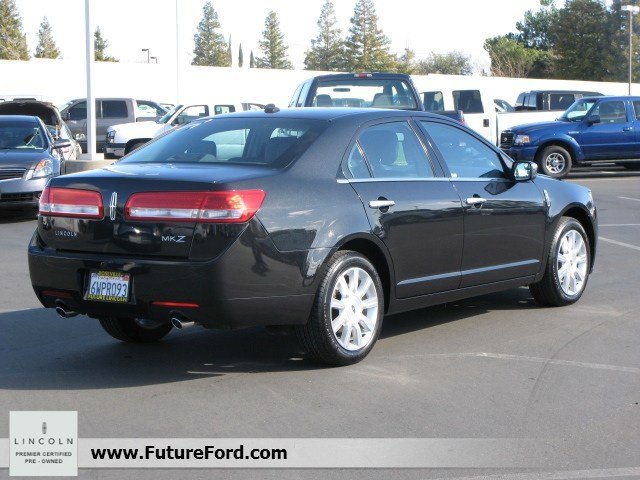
pixel 475 200
pixel 381 203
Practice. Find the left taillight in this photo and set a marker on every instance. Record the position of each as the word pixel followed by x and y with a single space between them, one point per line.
pixel 232 206
pixel 71 202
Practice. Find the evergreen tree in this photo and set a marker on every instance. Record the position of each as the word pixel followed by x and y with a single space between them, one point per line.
pixel 210 47
pixel 100 46
pixel 252 60
pixel 274 50
pixel 13 43
pixel 367 47
pixel 229 54
pixel 47 47
pixel 240 57
pixel 327 49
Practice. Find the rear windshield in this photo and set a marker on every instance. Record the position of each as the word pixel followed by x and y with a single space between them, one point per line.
pixel 22 135
pixel 266 142
pixel 376 93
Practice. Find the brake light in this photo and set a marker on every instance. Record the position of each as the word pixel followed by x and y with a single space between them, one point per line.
pixel 71 202
pixel 233 206
pixel 362 75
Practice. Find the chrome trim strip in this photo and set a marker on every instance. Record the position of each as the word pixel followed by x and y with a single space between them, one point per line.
pixel 473 271
pixel 418 179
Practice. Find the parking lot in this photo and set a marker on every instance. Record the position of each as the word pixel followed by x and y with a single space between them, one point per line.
pixel 495 366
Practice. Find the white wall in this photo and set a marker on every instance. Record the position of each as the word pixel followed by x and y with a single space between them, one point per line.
pixel 62 80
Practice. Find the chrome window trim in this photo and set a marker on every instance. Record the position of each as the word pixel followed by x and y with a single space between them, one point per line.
pixel 420 179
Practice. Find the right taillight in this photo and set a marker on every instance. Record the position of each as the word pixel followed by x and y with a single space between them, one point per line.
pixel 232 206
pixel 71 202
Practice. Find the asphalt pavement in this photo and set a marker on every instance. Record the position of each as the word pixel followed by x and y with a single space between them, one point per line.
pixel 496 366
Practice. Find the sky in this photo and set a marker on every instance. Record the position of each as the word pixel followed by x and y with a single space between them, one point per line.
pixel 425 26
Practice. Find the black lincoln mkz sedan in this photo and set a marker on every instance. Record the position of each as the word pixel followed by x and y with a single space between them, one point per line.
pixel 322 220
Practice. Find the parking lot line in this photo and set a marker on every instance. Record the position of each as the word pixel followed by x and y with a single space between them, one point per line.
pixel 621 244
pixel 630 198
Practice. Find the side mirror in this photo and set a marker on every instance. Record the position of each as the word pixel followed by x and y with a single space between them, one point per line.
pixel 593 119
pixel 66 116
pixel 180 120
pixel 524 171
pixel 61 143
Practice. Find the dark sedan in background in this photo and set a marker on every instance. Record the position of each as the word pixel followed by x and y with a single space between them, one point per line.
pixel 29 157
pixel 319 220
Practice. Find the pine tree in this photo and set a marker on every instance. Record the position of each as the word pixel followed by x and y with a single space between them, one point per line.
pixel 252 60
pixel 327 49
pixel 47 47
pixel 240 57
pixel 100 46
pixel 210 49
pixel 274 50
pixel 13 43
pixel 229 54
pixel 367 47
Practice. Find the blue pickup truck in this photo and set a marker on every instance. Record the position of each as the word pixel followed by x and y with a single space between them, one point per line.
pixel 592 130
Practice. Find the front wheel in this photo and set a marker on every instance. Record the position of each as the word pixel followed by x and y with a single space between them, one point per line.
pixel 347 313
pixel 555 161
pixel 135 330
pixel 568 265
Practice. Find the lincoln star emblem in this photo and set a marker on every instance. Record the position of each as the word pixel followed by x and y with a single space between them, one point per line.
pixel 112 205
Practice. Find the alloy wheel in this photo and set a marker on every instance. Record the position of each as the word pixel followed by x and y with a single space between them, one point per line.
pixel 572 263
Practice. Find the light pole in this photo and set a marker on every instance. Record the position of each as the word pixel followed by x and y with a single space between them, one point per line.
pixel 632 9
pixel 155 59
pixel 148 54
pixel 91 98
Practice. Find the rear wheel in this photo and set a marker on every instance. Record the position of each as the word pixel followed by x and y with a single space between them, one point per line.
pixel 135 330
pixel 347 313
pixel 568 265
pixel 555 161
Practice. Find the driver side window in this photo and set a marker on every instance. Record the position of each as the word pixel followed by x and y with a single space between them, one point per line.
pixel 465 155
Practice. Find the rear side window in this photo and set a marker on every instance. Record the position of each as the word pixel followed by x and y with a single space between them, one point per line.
pixel 294 99
pixel 263 142
pixel 469 101
pixel 531 102
pixel 636 109
pixel 465 155
pixel 394 151
pixel 560 101
pixel 433 101
pixel 114 109
pixel 611 112
pixel 220 109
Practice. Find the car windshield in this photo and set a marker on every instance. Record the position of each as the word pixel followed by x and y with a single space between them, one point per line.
pixel 375 93
pixel 577 111
pixel 21 135
pixel 263 142
pixel 165 118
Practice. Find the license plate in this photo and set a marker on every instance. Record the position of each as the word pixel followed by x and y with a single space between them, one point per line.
pixel 105 286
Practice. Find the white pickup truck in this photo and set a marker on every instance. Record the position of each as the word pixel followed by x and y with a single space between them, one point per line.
pixel 480 111
pixel 126 137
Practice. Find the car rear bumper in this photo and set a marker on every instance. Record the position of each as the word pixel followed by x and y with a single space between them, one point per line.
pixel 116 149
pixel 238 289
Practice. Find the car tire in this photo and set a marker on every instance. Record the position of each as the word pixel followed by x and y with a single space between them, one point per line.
pixel 569 253
pixel 133 330
pixel 347 312
pixel 554 161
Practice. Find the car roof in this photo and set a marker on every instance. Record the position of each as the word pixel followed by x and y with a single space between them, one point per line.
pixel 331 113
pixel 590 92
pixel 610 97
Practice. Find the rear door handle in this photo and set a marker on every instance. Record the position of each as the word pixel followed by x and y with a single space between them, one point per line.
pixel 381 203
pixel 475 200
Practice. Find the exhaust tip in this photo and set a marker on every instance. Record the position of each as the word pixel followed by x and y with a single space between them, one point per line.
pixel 181 322
pixel 63 310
